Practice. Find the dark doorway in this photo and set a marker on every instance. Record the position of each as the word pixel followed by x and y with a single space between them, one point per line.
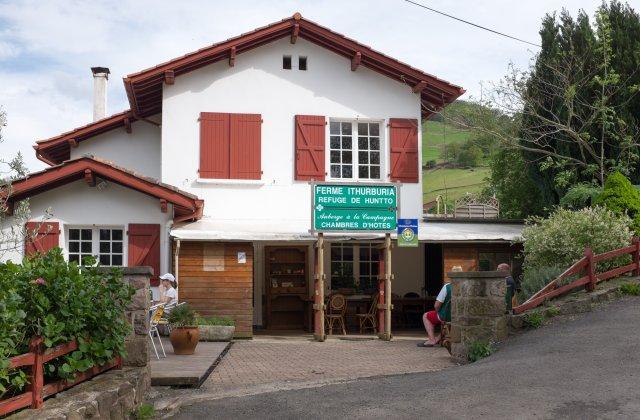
pixel 433 269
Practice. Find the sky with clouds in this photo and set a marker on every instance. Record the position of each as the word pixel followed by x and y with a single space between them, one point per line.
pixel 47 47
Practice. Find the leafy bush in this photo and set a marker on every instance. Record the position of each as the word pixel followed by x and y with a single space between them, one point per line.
pixel 552 312
pixel 469 155
pixel 632 289
pixel 182 316
pixel 479 350
pixel 621 197
pixel 45 296
pixel 560 240
pixel 216 320
pixel 534 320
pixel 534 279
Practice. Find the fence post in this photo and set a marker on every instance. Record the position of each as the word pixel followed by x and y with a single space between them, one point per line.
pixel 590 269
pixel 636 256
pixel 36 379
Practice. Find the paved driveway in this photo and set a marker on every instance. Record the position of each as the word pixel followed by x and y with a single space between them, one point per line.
pixel 271 363
pixel 584 368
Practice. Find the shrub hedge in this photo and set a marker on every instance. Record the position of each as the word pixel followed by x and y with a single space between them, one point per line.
pixel 621 197
pixel 46 296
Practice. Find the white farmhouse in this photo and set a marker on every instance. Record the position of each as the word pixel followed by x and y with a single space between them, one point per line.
pixel 208 174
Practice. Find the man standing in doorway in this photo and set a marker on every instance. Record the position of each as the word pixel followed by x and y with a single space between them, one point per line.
pixel 440 315
pixel 511 285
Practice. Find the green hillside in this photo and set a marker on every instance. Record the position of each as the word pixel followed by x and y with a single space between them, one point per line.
pixel 435 135
pixel 451 183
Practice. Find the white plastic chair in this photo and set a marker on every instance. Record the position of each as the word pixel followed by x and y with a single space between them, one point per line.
pixel 156 314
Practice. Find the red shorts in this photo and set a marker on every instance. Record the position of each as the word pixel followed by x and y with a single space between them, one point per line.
pixel 432 317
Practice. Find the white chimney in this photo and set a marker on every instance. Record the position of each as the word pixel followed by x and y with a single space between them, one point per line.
pixel 100 77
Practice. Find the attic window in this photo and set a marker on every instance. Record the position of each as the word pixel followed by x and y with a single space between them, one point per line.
pixel 302 63
pixel 286 62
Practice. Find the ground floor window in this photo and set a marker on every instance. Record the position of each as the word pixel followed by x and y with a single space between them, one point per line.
pixel 106 244
pixel 354 267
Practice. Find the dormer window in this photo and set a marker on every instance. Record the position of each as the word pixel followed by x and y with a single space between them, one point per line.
pixel 286 62
pixel 302 63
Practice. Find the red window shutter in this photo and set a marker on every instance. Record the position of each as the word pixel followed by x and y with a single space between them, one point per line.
pixel 214 145
pixel 41 237
pixel 144 248
pixel 245 146
pixel 403 135
pixel 310 144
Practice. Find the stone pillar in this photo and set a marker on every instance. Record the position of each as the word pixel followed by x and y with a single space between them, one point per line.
pixel 477 310
pixel 137 313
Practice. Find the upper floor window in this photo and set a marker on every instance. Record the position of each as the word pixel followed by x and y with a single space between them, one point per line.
pixel 286 62
pixel 354 150
pixel 230 146
pixel 302 63
pixel 106 244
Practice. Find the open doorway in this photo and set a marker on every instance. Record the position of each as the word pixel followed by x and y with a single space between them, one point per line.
pixel 433 270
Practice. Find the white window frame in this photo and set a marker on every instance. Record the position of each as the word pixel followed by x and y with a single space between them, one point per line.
pixel 95 241
pixel 355 149
pixel 356 260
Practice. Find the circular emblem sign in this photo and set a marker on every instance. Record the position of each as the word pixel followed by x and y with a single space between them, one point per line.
pixel 407 234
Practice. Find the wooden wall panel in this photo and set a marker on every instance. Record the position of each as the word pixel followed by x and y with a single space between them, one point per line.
pixel 465 256
pixel 225 293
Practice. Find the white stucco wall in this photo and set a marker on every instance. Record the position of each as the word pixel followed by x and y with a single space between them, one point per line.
pixel 78 205
pixel 258 84
pixel 138 151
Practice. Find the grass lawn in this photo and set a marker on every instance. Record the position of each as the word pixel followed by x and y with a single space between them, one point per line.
pixel 433 139
pixel 452 183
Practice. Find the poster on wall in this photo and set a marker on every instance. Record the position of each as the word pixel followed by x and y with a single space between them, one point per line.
pixel 407 232
pixel 354 207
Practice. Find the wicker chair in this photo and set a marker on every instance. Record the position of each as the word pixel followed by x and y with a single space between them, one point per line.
pixel 337 308
pixel 368 320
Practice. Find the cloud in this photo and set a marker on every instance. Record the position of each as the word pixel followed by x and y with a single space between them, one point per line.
pixel 47 48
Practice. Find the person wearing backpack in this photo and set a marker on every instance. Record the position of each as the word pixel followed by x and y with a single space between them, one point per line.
pixel 440 315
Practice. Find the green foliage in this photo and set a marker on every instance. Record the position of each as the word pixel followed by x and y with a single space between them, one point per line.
pixel 535 278
pixel 552 312
pixel 534 319
pixel 479 350
pixel 632 289
pixel 580 195
pixel 519 197
pixel 621 197
pixel 182 316
pixel 144 411
pixel 469 155
pixel 561 239
pixel 216 320
pixel 45 296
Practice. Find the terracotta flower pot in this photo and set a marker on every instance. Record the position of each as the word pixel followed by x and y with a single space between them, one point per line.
pixel 184 339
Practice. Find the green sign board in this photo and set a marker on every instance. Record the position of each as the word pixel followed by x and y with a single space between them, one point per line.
pixel 346 207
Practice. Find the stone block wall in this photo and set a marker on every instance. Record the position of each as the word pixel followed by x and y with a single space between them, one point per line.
pixel 478 309
pixel 137 344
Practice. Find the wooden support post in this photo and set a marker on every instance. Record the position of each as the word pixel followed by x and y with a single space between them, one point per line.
pixel 636 256
pixel 36 378
pixel 384 286
pixel 318 296
pixel 590 270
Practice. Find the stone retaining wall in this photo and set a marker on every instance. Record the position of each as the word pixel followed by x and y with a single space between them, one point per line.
pixel 137 344
pixel 477 310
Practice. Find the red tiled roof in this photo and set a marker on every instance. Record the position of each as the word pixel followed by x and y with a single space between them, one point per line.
pixel 187 206
pixel 144 88
pixel 57 149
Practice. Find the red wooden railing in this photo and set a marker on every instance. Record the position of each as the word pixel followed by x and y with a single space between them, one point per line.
pixel 589 280
pixel 37 391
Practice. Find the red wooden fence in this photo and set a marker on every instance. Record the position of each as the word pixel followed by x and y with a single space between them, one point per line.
pixel 589 280
pixel 37 391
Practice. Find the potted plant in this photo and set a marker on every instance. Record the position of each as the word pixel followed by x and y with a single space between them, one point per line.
pixel 216 328
pixel 184 330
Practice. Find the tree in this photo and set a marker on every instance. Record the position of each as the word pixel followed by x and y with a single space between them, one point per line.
pixel 12 230
pixel 574 114
pixel 621 197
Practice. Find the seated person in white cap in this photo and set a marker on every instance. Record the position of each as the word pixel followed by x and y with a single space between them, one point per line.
pixel 170 294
